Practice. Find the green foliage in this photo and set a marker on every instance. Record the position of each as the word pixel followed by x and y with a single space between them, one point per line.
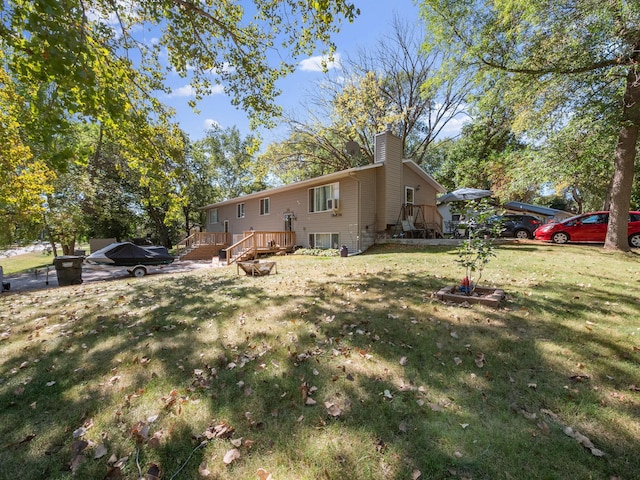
pixel 23 179
pixel 89 58
pixel 232 167
pixel 318 252
pixel 551 61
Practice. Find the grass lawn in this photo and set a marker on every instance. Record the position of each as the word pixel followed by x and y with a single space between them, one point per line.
pixel 334 368
pixel 25 262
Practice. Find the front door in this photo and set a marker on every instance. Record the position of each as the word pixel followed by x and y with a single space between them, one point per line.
pixel 288 222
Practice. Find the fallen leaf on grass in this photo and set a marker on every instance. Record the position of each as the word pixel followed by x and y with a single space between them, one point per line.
pixel 113 473
pixel 101 451
pixel 77 457
pixel 231 456
pixel 584 441
pixel 203 469
pixel 403 361
pixel 479 360
pixel 264 475
pixel 333 409
pixel 153 473
pixel 416 474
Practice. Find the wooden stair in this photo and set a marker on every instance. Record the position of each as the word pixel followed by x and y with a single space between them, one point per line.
pixel 202 252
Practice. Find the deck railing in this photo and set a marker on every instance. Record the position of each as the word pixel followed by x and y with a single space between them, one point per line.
pixel 202 238
pixel 254 242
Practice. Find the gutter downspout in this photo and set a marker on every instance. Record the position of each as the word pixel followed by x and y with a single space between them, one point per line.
pixel 358 222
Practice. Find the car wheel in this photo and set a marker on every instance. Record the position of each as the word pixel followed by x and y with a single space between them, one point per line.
pixel 139 272
pixel 634 240
pixel 560 237
pixel 522 234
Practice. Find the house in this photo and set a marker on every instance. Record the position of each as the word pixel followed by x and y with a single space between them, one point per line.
pixel 392 196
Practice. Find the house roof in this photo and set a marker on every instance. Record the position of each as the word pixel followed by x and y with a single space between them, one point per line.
pixel 328 178
pixel 526 207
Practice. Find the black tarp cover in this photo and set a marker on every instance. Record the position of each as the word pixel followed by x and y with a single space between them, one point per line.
pixel 129 254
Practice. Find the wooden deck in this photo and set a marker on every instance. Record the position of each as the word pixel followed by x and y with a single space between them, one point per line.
pixel 254 243
pixel 249 245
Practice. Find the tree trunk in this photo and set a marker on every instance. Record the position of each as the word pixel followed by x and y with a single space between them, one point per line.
pixel 622 181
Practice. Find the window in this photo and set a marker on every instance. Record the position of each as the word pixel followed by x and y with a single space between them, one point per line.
pixel 213 215
pixel 265 206
pixel 409 193
pixel 324 198
pixel 241 210
pixel 324 240
pixel 595 219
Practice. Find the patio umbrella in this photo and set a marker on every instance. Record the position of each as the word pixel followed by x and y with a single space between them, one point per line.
pixel 464 194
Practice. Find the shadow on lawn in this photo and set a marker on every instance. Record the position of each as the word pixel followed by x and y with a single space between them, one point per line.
pixel 443 414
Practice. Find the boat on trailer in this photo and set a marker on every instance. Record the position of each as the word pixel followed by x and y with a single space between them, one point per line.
pixel 127 254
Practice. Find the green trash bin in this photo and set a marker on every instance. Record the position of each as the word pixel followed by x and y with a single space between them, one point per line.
pixel 68 269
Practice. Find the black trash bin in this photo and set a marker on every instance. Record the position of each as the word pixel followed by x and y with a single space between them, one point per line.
pixel 344 251
pixel 222 255
pixel 68 269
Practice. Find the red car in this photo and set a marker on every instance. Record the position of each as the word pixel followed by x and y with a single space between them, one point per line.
pixel 588 227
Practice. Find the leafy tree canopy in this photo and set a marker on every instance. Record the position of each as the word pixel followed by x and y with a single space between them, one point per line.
pixel 90 51
pixel 553 58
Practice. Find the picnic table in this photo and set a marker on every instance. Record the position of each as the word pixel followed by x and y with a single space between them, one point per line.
pixel 257 268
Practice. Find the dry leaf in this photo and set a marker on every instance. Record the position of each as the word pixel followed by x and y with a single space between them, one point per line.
pixel 101 451
pixel 310 401
pixel 153 473
pixel 333 409
pixel 203 469
pixel 264 475
pixel 480 360
pixel 236 442
pixel 231 456
pixel 113 473
pixel 416 474
pixel 403 361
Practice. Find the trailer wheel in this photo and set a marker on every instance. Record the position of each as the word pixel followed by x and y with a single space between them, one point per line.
pixel 139 271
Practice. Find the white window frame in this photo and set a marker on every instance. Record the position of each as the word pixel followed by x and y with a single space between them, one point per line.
pixel 213 216
pixel 334 240
pixel 265 206
pixel 240 210
pixel 324 198
pixel 409 191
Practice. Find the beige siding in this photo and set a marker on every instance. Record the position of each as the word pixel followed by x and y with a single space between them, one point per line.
pixel 426 194
pixel 388 149
pixel 344 222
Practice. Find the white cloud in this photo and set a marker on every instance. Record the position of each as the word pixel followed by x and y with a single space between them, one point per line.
pixel 217 90
pixel 186 91
pixel 211 123
pixel 314 64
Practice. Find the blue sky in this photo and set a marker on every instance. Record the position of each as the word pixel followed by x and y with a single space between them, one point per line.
pixel 375 20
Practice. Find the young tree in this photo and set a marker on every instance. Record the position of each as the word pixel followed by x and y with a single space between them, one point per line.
pixel 555 57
